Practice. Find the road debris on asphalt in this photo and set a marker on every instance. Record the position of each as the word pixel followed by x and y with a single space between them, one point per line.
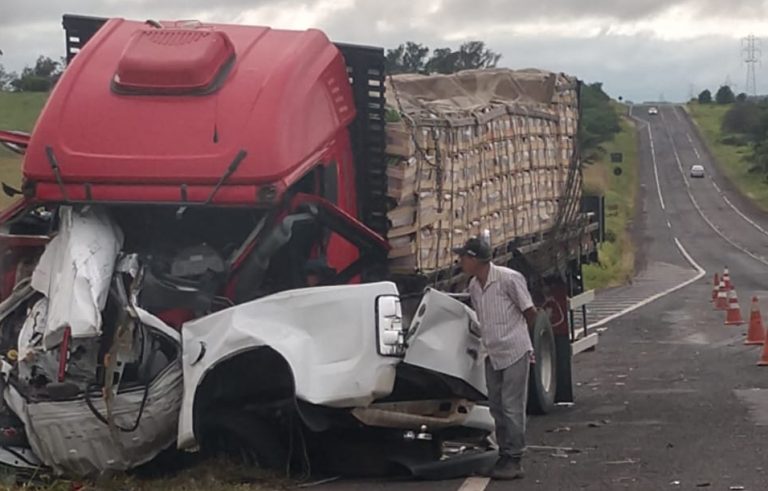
pixel 623 462
pixel 560 429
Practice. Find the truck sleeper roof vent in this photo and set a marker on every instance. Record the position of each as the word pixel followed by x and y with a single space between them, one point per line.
pixel 174 62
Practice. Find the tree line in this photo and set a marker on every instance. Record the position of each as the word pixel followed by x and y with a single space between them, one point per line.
pixel 600 121
pixel 40 77
pixel 745 124
pixel 411 57
pixel 724 95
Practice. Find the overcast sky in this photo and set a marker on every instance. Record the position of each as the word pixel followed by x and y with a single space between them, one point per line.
pixel 640 49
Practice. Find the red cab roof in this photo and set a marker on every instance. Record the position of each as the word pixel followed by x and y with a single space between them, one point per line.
pixel 176 105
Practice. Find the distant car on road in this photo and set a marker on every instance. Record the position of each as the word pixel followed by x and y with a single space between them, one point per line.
pixel 697 170
pixel 653 111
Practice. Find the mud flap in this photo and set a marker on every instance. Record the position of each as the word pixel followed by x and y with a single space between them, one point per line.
pixel 556 304
pixel 564 355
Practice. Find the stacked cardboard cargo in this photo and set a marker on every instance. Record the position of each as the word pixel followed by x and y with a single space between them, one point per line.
pixel 479 150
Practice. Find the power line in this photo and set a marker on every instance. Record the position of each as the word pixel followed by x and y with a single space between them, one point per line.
pixel 751 52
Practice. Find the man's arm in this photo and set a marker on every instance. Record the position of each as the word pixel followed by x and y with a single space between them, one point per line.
pixel 517 290
pixel 530 316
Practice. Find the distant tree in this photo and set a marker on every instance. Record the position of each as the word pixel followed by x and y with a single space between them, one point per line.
pixel 474 55
pixel 443 60
pixel 743 118
pixel 6 78
pixel 393 60
pixel 407 58
pixel 742 97
pixel 705 97
pixel 599 121
pixel 725 95
pixel 39 78
pixel 415 58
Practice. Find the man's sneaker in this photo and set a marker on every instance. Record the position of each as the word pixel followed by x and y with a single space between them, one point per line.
pixel 507 468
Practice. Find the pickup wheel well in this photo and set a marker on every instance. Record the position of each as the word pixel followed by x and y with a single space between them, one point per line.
pixel 245 407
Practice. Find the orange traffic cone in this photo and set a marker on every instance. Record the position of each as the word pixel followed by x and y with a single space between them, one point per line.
pixel 733 314
pixel 764 357
pixel 756 332
pixel 721 301
pixel 715 287
pixel 727 279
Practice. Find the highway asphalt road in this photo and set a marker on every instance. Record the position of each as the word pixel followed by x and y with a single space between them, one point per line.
pixel 671 399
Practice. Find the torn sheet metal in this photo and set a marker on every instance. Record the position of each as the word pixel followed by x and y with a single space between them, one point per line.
pixel 69 438
pixel 327 335
pixel 75 272
pixel 440 339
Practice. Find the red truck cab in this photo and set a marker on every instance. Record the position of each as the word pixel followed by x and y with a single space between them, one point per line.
pixel 193 117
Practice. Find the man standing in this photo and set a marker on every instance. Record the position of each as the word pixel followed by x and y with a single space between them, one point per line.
pixel 505 311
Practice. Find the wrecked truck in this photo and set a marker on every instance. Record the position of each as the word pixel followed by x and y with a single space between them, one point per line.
pixel 207 252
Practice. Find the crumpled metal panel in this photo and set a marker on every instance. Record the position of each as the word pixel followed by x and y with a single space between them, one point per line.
pixel 75 271
pixel 69 438
pixel 441 339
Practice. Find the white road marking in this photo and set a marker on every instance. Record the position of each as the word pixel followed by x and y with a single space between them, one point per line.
pixel 677 113
pixel 700 271
pixel 655 168
pixel 643 303
pixel 475 484
pixel 701 212
pixel 669 225
pixel 693 145
pixel 722 195
pixel 745 217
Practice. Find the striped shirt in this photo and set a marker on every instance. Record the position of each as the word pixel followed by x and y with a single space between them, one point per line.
pixel 500 305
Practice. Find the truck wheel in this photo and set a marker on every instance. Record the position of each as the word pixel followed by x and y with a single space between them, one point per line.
pixel 542 383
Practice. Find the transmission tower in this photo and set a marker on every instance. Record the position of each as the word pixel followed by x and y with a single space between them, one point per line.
pixel 751 51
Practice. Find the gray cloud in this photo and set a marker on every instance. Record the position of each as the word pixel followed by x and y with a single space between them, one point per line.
pixel 638 66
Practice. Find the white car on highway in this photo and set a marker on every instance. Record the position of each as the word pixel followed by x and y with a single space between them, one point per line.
pixel 697 170
pixel 653 111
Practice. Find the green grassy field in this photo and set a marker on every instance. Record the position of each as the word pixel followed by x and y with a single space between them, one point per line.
pixel 18 111
pixel 617 256
pixel 733 160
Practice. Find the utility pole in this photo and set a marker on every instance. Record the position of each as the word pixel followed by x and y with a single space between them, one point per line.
pixel 751 52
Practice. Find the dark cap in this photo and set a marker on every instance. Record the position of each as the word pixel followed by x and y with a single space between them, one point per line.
pixel 476 248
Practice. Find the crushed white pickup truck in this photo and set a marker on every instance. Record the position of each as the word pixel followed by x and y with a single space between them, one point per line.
pixel 100 383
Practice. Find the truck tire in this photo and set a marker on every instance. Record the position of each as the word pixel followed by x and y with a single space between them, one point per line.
pixel 542 382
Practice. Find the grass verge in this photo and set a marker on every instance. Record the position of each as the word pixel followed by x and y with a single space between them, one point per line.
pixel 18 111
pixel 732 160
pixel 617 254
pixel 218 474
